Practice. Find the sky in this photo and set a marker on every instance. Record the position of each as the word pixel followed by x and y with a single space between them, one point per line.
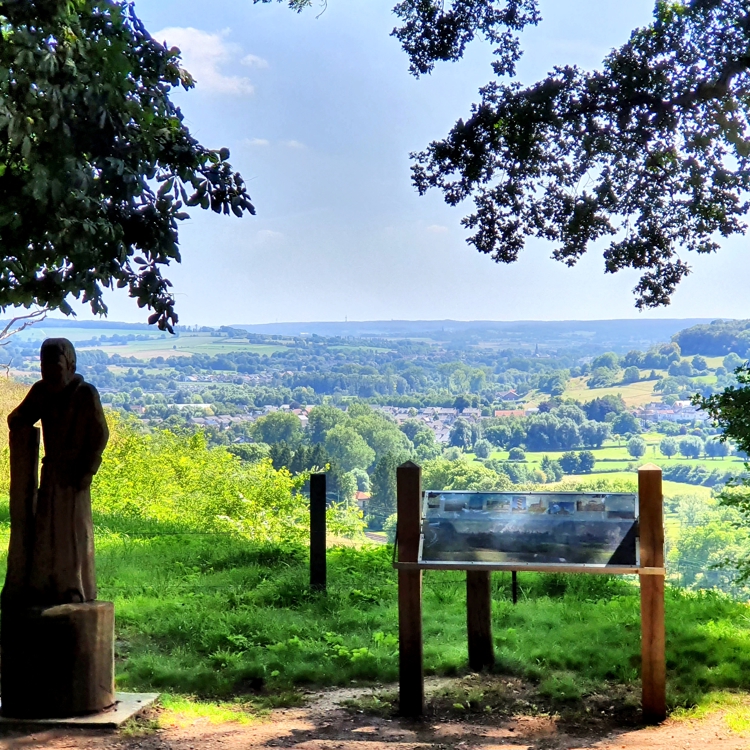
pixel 320 114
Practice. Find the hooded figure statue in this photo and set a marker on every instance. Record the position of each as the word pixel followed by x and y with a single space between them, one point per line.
pixel 54 560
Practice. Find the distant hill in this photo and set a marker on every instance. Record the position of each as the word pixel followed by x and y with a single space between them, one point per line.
pixel 717 339
pixel 616 335
pixel 695 335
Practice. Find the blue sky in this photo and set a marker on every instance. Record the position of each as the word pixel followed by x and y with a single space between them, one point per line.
pixel 320 115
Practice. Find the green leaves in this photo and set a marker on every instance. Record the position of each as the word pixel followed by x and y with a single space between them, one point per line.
pixel 433 31
pixel 651 152
pixel 86 128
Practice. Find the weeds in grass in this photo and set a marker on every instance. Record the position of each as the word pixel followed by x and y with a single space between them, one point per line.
pixel 376 704
pixel 141 726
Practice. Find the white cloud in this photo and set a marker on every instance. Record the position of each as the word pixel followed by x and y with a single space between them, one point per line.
pixel 294 144
pixel 267 236
pixel 204 55
pixel 253 61
pixel 257 142
pixel 437 229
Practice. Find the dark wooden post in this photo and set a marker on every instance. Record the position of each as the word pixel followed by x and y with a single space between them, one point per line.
pixel 653 660
pixel 514 585
pixel 479 620
pixel 408 531
pixel 318 532
pixel 24 472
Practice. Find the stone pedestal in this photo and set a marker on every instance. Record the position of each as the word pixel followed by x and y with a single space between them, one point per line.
pixel 57 661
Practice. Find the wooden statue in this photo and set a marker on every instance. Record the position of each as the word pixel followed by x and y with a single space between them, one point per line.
pixel 56 640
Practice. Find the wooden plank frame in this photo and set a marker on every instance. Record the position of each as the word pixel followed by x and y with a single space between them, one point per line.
pixel 651 574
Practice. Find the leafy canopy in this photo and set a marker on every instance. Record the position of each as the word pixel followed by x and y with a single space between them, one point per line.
pixel 651 151
pixel 96 165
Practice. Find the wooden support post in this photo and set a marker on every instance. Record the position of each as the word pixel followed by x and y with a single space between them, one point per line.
pixel 318 532
pixel 514 585
pixel 479 620
pixel 24 472
pixel 408 532
pixel 653 660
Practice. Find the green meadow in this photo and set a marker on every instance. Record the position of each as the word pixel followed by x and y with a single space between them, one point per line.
pixel 218 617
pixel 613 458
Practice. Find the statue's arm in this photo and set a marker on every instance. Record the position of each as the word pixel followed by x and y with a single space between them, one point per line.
pixel 29 411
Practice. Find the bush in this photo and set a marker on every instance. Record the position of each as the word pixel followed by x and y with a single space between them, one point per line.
pixel 569 462
pixel 668 447
pixel 516 454
pixel 691 447
pixel 483 448
pixel 462 475
pixel 697 475
pixel 161 479
pixel 624 423
pixel 586 462
pixel 637 447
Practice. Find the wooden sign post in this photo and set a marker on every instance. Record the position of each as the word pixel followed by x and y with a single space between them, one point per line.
pixel 479 620
pixel 410 565
pixel 318 532
pixel 408 532
pixel 653 660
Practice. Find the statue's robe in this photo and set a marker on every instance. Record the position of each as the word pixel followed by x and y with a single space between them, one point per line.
pixel 60 568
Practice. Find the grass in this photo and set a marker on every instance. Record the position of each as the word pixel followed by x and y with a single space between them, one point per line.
pixel 614 462
pixel 220 620
pixel 186 344
pixel 633 394
pixel 227 629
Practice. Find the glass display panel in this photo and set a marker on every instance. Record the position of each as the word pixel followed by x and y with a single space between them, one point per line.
pixel 531 527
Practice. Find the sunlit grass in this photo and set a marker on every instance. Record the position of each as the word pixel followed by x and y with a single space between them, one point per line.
pixel 181 711
pixel 735 708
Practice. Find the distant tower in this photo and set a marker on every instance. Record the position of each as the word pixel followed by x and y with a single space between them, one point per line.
pixel 536 350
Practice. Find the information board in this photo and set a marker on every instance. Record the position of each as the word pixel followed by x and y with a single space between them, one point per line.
pixel 531 527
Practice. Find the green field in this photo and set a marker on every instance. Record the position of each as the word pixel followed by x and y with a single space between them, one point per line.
pixel 185 345
pixel 633 394
pixel 164 345
pixel 39 332
pixel 220 617
pixel 614 462
pixel 614 456
pixel 212 618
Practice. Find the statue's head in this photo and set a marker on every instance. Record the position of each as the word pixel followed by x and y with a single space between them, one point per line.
pixel 58 360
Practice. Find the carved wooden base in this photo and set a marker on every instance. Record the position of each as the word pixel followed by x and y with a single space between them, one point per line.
pixel 57 661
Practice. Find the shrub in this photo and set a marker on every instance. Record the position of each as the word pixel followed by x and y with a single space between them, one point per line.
pixel 483 448
pixel 586 462
pixel 636 447
pixel 668 447
pixel 691 447
pixel 569 462
pixel 160 479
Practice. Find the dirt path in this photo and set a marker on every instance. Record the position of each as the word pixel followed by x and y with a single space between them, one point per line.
pixel 324 725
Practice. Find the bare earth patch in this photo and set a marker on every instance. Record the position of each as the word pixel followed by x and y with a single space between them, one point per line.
pixel 361 719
